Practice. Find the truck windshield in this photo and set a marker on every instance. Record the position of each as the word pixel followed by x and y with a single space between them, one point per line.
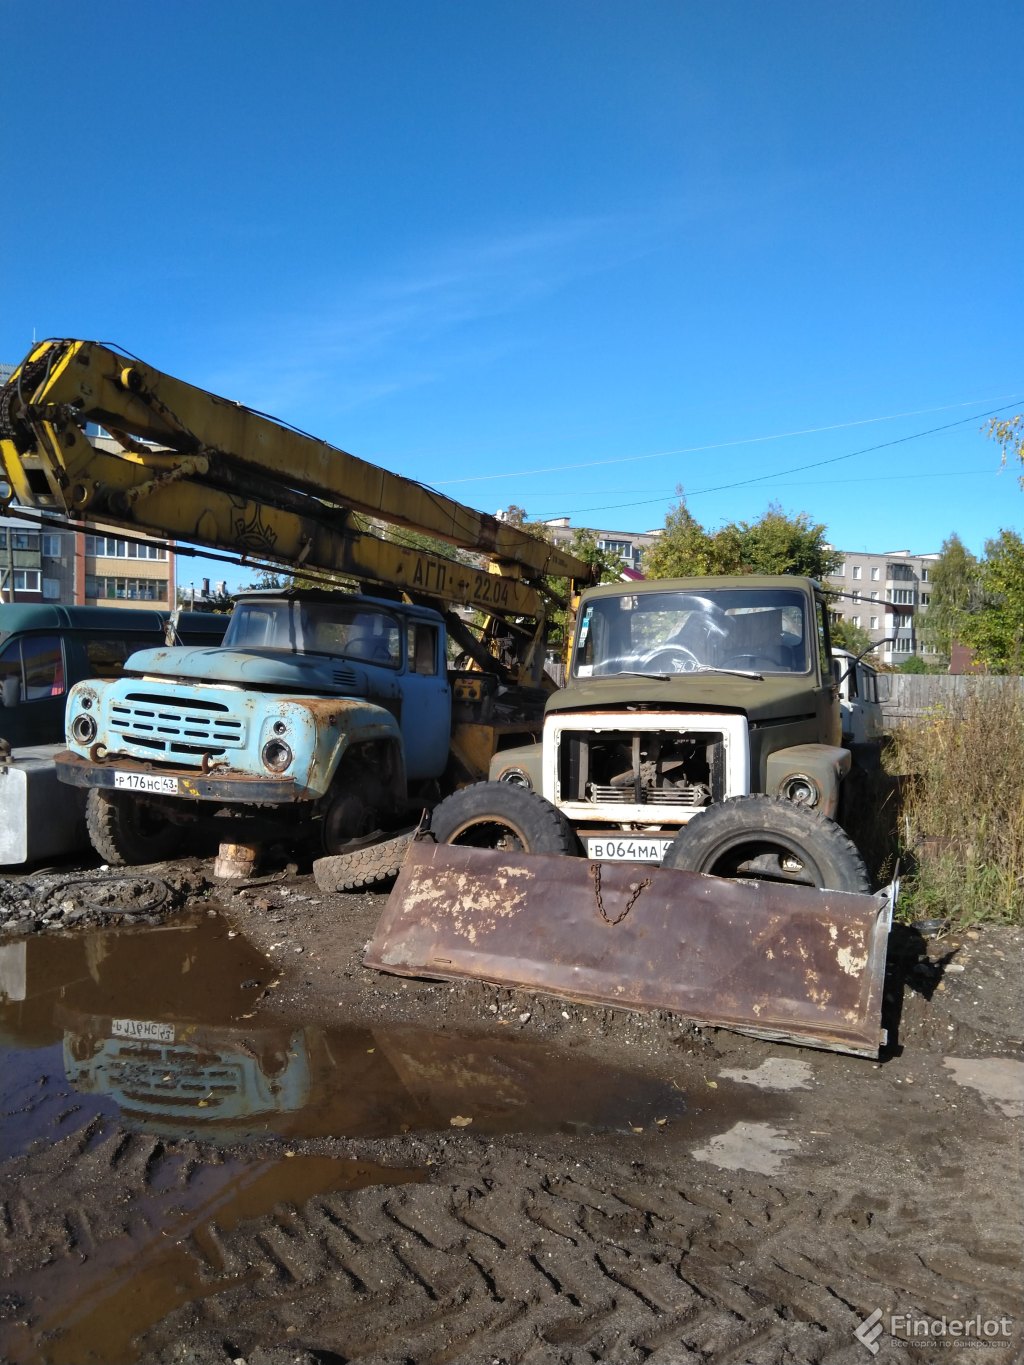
pixel 352 630
pixel 743 629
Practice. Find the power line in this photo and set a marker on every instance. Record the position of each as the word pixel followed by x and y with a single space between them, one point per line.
pixel 802 483
pixel 724 445
pixel 795 469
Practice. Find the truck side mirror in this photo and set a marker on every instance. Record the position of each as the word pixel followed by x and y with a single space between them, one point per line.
pixel 10 693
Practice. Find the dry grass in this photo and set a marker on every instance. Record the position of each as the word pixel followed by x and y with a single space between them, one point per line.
pixel 962 809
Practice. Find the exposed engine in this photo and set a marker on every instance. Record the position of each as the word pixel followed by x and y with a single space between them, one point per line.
pixel 643 768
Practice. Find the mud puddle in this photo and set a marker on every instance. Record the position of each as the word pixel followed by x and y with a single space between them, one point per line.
pixel 160 1030
pixel 134 1054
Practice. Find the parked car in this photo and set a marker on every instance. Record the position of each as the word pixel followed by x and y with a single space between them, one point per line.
pixel 45 649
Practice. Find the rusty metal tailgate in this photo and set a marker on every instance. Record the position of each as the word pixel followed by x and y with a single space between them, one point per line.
pixel 784 962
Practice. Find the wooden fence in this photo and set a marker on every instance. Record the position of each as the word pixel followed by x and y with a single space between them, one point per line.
pixel 910 695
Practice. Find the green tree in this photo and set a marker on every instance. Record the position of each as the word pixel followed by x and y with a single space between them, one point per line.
pixel 954 596
pixel 776 543
pixel 845 635
pixel 514 515
pixel 683 550
pixel 1009 436
pixel 267 579
pixel 584 546
pixel 915 664
pixel 995 630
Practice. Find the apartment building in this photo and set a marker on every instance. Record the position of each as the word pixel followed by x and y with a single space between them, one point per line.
pixel 884 594
pixel 630 546
pixel 83 568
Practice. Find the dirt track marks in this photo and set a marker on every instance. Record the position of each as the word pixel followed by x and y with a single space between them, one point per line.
pixel 609 1266
pixel 506 1257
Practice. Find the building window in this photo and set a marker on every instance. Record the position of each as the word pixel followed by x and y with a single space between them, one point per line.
pixel 840 570
pixel 874 597
pixel 903 596
pixel 926 597
pixel 20 540
pixel 874 622
pixel 855 620
pixel 856 571
pixel 116 547
pixel 874 575
pixel 28 580
pixel 126 589
pixel 903 644
pixel 924 575
pixel 856 596
pixel 51 547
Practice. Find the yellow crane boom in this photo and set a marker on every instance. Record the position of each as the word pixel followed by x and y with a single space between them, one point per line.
pixel 185 464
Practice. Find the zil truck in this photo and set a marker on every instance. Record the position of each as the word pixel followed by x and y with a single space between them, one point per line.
pixel 327 715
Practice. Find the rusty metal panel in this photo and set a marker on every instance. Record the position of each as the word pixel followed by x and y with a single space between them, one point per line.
pixel 788 963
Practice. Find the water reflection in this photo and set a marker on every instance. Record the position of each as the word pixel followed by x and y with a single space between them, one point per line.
pixel 161 1027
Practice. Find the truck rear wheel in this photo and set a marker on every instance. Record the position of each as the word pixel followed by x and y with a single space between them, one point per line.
pixel 764 838
pixel 497 815
pixel 126 832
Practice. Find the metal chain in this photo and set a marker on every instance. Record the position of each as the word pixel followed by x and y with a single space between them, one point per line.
pixel 635 888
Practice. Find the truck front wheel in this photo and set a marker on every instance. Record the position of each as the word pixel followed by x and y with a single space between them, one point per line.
pixel 126 832
pixel 764 838
pixel 497 815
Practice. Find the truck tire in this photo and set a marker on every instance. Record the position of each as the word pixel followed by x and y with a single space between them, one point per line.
pixel 362 869
pixel 765 838
pixel 497 815
pixel 126 832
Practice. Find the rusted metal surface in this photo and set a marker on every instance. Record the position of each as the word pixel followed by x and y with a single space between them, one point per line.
pixel 789 963
pixel 217 786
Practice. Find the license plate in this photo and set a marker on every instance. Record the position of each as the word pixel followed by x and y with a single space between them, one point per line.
pixel 146 1029
pixel 627 850
pixel 146 782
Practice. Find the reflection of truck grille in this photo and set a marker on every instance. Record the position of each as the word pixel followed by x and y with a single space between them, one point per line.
pixel 165 725
pixel 170 1078
pixel 649 796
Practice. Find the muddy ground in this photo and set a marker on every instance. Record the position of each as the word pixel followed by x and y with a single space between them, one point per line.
pixel 337 1165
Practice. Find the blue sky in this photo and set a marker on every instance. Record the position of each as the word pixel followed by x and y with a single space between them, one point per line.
pixel 567 254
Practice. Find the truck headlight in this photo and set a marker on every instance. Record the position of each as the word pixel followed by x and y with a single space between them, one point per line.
pixel 276 755
pixel 516 777
pixel 800 789
pixel 83 729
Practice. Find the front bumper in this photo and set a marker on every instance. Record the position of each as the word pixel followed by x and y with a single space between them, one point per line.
pixel 235 788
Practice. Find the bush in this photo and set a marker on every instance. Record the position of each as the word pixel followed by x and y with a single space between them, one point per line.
pixel 962 812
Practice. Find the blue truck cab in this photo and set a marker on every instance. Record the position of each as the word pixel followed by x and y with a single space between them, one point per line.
pixel 320 710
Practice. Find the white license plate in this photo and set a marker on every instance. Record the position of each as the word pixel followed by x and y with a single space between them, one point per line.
pixel 146 782
pixel 146 1029
pixel 627 850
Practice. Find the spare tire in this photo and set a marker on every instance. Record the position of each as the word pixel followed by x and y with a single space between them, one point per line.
pixel 766 838
pixel 364 868
pixel 498 815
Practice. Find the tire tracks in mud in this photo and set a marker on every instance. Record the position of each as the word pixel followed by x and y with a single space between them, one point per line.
pixel 499 1258
pixel 612 1263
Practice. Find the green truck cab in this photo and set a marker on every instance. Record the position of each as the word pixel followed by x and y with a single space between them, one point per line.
pixel 699 727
